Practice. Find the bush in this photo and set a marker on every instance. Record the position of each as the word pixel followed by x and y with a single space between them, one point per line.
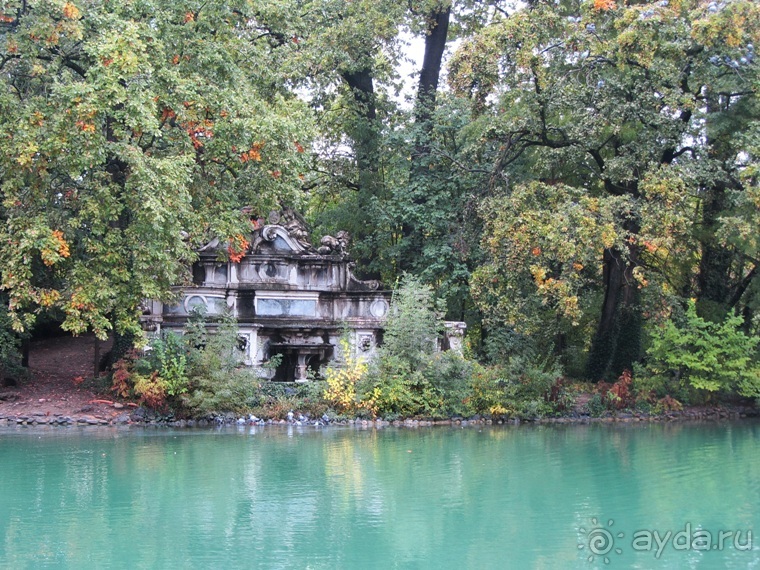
pixel 487 391
pixel 449 374
pixel 167 357
pixel 10 355
pixel 408 378
pixel 526 388
pixel 708 357
pixel 341 380
pixel 413 325
pixel 596 405
pixel 133 378
pixel 533 376
pixel 392 389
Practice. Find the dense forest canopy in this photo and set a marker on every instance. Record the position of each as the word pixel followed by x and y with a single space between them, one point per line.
pixel 568 175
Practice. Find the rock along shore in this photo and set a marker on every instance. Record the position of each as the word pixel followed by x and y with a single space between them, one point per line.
pixel 144 417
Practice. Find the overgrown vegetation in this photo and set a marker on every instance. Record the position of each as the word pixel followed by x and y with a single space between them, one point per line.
pixel 201 373
pixel 410 378
pixel 592 166
pixel 701 358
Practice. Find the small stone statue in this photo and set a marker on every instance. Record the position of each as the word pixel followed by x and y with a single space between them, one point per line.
pixel 334 245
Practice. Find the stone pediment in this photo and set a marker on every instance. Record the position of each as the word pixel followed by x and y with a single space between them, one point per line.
pixel 271 239
pixel 277 239
pixel 284 240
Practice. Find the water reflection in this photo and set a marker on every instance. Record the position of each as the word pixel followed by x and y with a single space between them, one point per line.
pixel 327 498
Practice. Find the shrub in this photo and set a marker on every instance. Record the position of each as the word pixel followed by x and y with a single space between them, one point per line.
pixel 706 356
pixel 128 380
pixel 413 325
pixel 151 390
pixel 667 404
pixel 596 405
pixel 486 391
pixel 449 374
pixel 122 377
pixel 342 380
pixel 407 378
pixel 392 388
pixel 534 376
pixel 167 357
pixel 524 388
pixel 10 355
pixel 620 394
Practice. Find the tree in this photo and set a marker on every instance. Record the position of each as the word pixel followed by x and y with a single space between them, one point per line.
pixel 612 101
pixel 131 133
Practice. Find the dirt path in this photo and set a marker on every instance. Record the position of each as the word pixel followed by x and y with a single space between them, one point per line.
pixel 57 367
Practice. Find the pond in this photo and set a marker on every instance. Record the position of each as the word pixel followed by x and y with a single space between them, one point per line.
pixel 576 496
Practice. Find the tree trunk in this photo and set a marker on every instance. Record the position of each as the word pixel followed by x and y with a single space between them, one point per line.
pixel 714 277
pixel 427 88
pixel 122 344
pixel 435 44
pixel 617 342
pixel 365 130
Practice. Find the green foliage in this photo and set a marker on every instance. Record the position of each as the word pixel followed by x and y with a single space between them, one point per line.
pixel 413 324
pixel 596 405
pixel 10 356
pixel 706 356
pixel 398 384
pixel 167 356
pixel 450 374
pixel 133 378
pixel 546 243
pixel 217 380
pixel 126 130
pixel 615 152
pixel 525 387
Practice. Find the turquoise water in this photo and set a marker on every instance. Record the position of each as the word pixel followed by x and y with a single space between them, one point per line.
pixel 501 497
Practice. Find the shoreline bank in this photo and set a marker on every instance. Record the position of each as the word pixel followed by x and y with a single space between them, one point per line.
pixel 143 417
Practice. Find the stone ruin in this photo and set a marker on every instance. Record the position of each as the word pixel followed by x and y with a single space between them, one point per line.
pixel 289 298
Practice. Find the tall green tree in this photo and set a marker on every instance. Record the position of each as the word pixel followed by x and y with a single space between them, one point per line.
pixel 608 108
pixel 130 132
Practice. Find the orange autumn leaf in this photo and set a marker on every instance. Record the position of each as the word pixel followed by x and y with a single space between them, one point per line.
pixel 70 11
pixel 50 256
pixel 85 127
pixel 603 5
pixel 189 17
pixel 237 248
pixel 63 247
pixel 48 297
pixel 651 248
pixel 253 154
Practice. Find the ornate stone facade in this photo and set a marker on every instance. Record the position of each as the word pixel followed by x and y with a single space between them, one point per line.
pixel 288 297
